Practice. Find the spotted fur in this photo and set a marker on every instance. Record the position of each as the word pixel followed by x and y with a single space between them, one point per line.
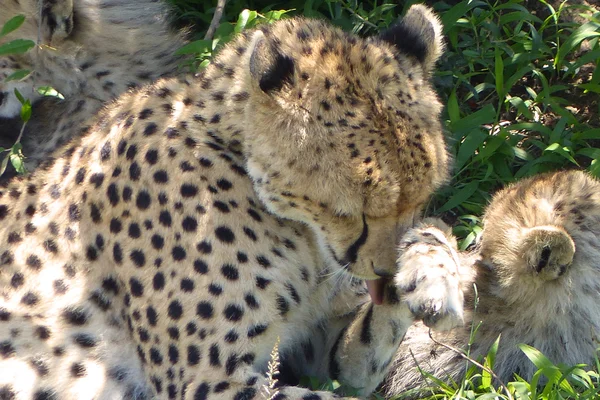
pixel 207 218
pixel 538 280
pixel 90 51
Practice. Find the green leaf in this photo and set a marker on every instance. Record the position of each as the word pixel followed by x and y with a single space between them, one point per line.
pixel 18 75
pixel 486 377
pixel 19 96
pixel 499 73
pixel 26 111
pixel 275 15
pixel 486 115
pixel 563 151
pixel 453 109
pixel 12 24
pixel 245 18
pixel 195 47
pixel 469 146
pixel 461 195
pixel 3 165
pixel 50 92
pixel 17 162
pixel 17 46
pixel 585 31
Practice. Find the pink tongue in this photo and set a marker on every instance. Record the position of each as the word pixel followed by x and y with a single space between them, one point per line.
pixel 375 287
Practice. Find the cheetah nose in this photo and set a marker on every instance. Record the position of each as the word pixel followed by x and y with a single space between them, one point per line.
pixel 383 273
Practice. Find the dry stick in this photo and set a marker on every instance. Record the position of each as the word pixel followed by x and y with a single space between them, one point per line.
pixel 463 355
pixel 216 19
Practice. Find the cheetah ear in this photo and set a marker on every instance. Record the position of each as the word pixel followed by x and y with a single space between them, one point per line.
pixel 418 34
pixel 269 67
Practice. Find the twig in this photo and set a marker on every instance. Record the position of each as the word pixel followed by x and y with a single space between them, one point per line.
pixel 216 19
pixel 463 355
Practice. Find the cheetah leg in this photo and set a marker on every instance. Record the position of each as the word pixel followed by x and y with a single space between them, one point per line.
pixel 256 387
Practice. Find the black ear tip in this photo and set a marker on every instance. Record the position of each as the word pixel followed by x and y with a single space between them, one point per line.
pixel 418 34
pixel 270 67
pixel 280 73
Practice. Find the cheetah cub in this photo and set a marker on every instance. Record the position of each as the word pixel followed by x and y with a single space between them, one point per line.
pixel 90 51
pixel 206 220
pixel 538 279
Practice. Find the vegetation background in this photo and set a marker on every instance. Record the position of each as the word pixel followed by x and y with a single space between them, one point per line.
pixel 520 80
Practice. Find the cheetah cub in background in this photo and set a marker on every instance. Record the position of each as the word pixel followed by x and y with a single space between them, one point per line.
pixel 91 51
pixel 537 271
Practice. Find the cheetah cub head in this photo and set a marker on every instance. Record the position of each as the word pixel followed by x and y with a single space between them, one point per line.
pixel 540 237
pixel 345 133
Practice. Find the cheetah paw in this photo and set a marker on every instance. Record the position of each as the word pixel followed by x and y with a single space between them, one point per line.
pixel 428 278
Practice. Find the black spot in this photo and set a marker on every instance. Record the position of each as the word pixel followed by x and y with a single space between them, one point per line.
pixel 200 267
pixel 178 253
pixel 97 179
pixel 30 299
pixel 224 184
pixel 34 262
pixel 233 312
pixel 42 332
pixel 187 285
pixel 215 289
pixel 161 176
pixel 256 330
pixel 282 305
pixel 151 315
pixel 230 272
pixel 143 200
pixel 115 225
pixel 155 356
pixel 261 282
pixel 117 253
pixel 165 218
pixel 158 282
pixel 204 310
pixel 135 171
pixel 189 224
pixel 75 316
pixel 263 261
pixel 193 355
pixel 150 129
pixel 112 193
pixel 44 394
pixel 250 233
pixel 204 247
pixel 175 310
pixel 188 190
pixel 214 356
pixel 85 340
pixel 95 213
pixel 152 156
pixel 7 349
pixel 201 392
pixel 138 258
pixel 17 280
pixel 224 234
pixel 134 231
pixel 137 289
pixel 251 301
